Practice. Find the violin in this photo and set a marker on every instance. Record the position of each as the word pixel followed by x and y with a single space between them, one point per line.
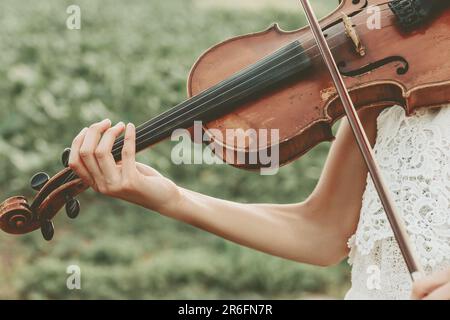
pixel 276 79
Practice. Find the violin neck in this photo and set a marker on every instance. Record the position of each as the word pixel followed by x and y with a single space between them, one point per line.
pixel 258 79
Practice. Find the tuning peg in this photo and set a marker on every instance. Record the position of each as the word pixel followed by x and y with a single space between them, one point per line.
pixel 39 180
pixel 65 157
pixel 72 207
pixel 47 229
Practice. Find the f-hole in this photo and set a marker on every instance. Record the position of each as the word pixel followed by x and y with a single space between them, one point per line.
pixel 401 70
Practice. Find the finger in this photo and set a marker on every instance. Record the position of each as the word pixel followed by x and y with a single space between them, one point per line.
pixel 129 151
pixel 75 162
pixel 441 293
pixel 103 154
pixel 89 145
pixel 428 284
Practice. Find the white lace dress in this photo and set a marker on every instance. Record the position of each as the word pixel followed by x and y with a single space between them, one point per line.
pixel 414 155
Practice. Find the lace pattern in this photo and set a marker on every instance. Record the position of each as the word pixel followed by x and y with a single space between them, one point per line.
pixel 414 156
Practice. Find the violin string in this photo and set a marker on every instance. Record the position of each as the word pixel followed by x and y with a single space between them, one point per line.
pixel 117 147
pixel 168 113
pixel 139 140
pixel 304 39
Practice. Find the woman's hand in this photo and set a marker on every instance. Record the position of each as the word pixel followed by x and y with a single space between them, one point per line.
pixel 93 162
pixel 434 287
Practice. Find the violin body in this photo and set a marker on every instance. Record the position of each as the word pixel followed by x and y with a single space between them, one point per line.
pixel 305 111
pixel 396 67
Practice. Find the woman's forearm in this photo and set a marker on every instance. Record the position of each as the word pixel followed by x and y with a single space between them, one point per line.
pixel 290 231
pixel 293 232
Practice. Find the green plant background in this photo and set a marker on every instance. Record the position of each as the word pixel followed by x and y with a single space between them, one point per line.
pixel 129 62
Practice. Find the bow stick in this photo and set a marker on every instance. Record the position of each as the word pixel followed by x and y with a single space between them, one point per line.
pixel 395 220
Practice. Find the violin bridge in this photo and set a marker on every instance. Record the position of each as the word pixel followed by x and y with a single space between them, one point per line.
pixel 353 35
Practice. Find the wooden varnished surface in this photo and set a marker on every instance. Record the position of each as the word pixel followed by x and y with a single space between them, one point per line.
pixel 305 110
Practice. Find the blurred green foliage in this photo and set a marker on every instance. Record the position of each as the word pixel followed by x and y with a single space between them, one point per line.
pixel 129 62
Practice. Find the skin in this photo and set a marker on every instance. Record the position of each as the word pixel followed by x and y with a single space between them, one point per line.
pixel 314 231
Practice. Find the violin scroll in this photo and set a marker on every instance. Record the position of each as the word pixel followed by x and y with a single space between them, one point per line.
pixel 17 216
